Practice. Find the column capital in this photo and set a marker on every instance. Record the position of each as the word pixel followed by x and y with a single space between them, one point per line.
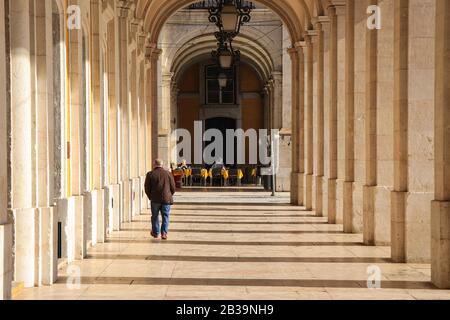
pixel 307 37
pixel 277 75
pixel 331 10
pixel 337 3
pixel 156 54
pixel 293 52
pixel 141 39
pixel 152 52
pixel 123 8
pixel 167 77
pixel 302 46
pixel 136 25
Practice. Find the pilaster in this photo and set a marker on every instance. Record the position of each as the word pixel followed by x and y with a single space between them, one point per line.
pixel 370 135
pixel 332 115
pixel 440 208
pixel 295 199
pixel 349 117
pixel 320 130
pixel 6 228
pixel 399 194
pixel 309 122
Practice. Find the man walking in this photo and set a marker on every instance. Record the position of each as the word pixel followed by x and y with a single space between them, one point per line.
pixel 160 188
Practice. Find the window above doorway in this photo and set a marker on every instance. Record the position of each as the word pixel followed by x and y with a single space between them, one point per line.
pixel 216 94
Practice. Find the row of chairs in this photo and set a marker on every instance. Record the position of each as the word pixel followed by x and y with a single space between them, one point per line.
pixel 216 177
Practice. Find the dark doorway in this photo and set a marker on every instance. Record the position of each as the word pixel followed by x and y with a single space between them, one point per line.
pixel 222 124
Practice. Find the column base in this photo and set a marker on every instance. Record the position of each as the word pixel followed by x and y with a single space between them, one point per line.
pixel 440 244
pixel 332 186
pixel 112 206
pixel 348 206
pixel 101 221
pixel 135 197
pixel 319 196
pixel 66 214
pixel 80 241
pixel 144 199
pixel 398 232
pixel 90 207
pixel 369 215
pixel 6 263
pixel 297 179
pixel 25 246
pixel 294 189
pixel 127 190
pixel 308 191
pixel 48 262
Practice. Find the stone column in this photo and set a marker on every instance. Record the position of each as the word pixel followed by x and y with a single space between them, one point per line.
pixel 21 165
pixel 271 104
pixel 320 144
pixel 112 194
pixel 309 112
pixel 295 125
pixel 122 90
pixel 96 99
pixel 135 180
pixel 133 101
pixel 349 117
pixel 301 124
pixel 148 110
pixel 96 196
pixel 154 99
pixel 142 135
pixel 398 196
pixel 370 124
pixel 277 78
pixel 113 108
pixel 6 272
pixel 44 120
pixel 267 116
pixel 440 207
pixel 164 117
pixel 333 122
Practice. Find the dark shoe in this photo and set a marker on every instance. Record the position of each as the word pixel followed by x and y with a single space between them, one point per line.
pixel 154 235
pixel 164 236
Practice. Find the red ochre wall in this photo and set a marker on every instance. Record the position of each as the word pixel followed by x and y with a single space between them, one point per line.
pixel 190 99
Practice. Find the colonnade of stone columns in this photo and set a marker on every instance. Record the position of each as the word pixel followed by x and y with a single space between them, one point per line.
pixel 371 131
pixel 78 128
pixel 77 123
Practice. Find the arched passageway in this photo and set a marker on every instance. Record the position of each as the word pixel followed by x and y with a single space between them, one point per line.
pixel 83 106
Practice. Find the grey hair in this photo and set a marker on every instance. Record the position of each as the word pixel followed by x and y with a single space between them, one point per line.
pixel 159 162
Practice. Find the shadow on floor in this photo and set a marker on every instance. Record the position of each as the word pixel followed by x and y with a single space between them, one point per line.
pixel 239 259
pixel 301 283
pixel 237 243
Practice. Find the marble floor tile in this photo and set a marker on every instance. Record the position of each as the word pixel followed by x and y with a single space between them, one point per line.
pixel 245 246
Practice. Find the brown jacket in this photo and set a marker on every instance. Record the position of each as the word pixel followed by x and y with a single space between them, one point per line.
pixel 160 186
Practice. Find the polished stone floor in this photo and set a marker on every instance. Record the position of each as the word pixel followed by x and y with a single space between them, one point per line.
pixel 229 245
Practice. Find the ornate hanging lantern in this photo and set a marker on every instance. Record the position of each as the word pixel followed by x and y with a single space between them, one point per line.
pixel 225 55
pixel 223 80
pixel 229 16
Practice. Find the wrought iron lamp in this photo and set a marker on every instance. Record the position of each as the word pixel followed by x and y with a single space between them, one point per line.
pixel 225 54
pixel 229 16
pixel 223 80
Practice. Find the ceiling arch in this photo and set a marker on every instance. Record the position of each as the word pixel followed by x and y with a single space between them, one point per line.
pixel 202 46
pixel 296 14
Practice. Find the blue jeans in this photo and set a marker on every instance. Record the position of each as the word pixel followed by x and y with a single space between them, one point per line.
pixel 165 212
